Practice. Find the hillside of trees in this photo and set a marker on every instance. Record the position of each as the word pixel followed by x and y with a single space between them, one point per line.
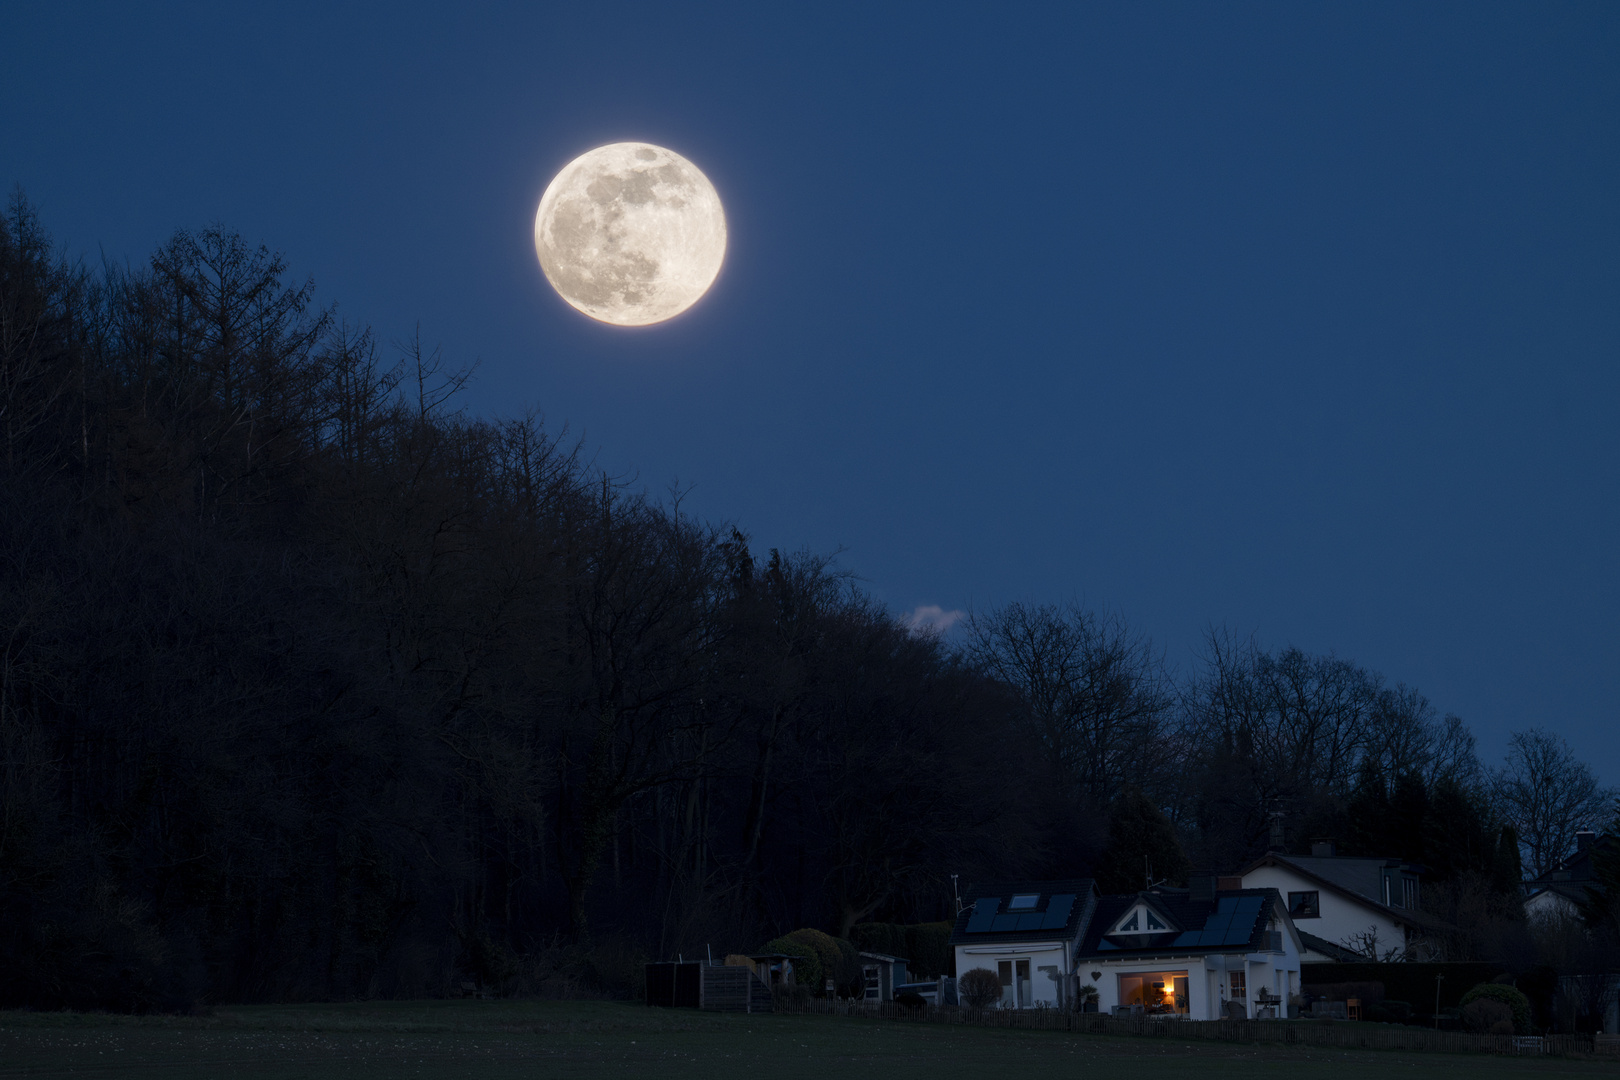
pixel 314 686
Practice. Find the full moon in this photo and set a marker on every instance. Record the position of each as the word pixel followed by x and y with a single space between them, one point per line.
pixel 630 233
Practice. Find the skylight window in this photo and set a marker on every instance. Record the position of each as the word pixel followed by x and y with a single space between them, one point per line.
pixel 1024 902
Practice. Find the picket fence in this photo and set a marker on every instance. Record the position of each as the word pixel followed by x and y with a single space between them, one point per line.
pixel 1338 1034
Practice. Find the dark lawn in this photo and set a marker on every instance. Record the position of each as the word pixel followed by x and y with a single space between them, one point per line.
pixel 496 1040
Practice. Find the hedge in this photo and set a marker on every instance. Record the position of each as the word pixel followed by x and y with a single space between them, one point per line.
pixel 924 946
pixel 1406 982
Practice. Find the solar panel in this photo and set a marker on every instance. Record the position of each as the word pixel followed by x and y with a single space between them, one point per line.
pixel 1226 903
pixel 1212 937
pixel 1005 922
pixel 1237 937
pixel 1057 911
pixel 1250 904
pixel 1219 921
pixel 984 914
pixel 1189 937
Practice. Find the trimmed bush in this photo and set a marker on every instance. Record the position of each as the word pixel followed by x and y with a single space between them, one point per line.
pixel 1507 995
pixel 910 999
pixel 817 957
pixel 1484 1014
pixel 836 961
pixel 807 971
pixel 979 988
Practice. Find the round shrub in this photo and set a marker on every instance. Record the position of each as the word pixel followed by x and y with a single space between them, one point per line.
pixel 1507 995
pixel 807 971
pixel 979 988
pixel 839 960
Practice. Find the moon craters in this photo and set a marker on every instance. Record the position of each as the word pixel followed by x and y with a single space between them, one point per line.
pixel 630 234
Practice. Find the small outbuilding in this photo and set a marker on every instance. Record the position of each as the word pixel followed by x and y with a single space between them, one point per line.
pixel 882 973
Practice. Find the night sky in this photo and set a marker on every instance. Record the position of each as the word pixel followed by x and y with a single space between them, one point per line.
pixel 1299 319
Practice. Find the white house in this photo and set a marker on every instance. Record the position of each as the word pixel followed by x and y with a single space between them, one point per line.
pixel 1026 932
pixel 1164 951
pixel 1347 908
pixel 1559 892
pixel 1196 953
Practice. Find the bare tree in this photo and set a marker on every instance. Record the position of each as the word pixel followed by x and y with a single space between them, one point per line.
pixel 1096 692
pixel 1548 794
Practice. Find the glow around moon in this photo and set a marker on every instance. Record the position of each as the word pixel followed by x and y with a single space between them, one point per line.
pixel 630 233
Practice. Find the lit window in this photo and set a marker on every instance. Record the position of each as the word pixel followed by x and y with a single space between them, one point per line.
pixel 1024 902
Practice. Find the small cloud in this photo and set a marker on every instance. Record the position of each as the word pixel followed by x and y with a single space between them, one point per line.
pixel 931 619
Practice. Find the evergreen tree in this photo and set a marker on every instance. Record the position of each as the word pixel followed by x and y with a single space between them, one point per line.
pixel 1601 907
pixel 1457 835
pixel 1507 872
pixel 1369 810
pixel 1409 810
pixel 1142 847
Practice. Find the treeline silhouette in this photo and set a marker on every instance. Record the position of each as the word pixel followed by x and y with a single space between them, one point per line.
pixel 314 686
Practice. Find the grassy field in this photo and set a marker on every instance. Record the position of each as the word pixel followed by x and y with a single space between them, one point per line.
pixel 496 1040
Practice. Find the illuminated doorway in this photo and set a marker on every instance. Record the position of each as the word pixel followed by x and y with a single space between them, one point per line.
pixel 1156 992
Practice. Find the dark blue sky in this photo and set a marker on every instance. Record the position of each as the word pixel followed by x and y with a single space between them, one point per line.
pixel 1298 318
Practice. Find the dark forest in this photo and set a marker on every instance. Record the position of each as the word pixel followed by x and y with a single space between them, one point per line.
pixel 314 686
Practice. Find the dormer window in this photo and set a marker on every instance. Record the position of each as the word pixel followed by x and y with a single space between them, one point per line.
pixel 1129 925
pixel 1024 902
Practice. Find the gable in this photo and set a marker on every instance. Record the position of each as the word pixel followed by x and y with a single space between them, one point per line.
pixel 1228 922
pixel 1140 919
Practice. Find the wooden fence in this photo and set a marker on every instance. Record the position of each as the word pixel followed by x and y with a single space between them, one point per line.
pixel 1338 1034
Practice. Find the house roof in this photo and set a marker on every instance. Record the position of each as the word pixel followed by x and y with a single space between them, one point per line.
pixel 1059 912
pixel 1576 871
pixel 1357 879
pixel 1328 948
pixel 1233 921
pixel 1574 892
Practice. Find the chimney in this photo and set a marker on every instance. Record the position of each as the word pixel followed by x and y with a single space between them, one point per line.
pixel 1583 841
pixel 1324 847
pixel 1201 887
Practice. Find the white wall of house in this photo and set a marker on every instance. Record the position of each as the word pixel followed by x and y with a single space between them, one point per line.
pixel 1042 990
pixel 1341 918
pixel 1549 905
pixel 1209 979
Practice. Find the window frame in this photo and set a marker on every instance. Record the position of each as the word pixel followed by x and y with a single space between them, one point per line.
pixel 1294 905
